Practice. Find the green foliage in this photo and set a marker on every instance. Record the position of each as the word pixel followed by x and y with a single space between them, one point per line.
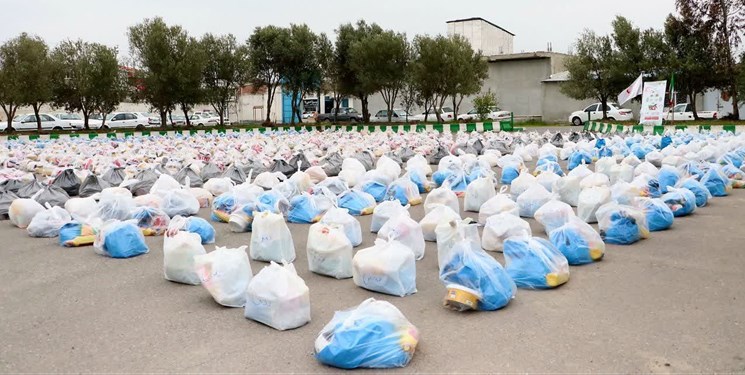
pixel 225 71
pixel 484 104
pixel 266 49
pixel 87 78
pixel 299 66
pixel 351 79
pixel 468 71
pixel 592 69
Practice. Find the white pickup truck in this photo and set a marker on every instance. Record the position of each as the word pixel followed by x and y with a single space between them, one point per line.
pixel 683 112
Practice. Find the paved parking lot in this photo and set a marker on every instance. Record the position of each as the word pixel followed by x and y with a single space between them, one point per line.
pixel 672 303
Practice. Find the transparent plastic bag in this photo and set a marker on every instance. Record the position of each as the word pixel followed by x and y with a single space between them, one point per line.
pixel 498 204
pixel 384 211
pixel 226 274
pixel 357 202
pixel 374 334
pixel 500 227
pixel 203 196
pixel 329 251
pixel 304 209
pixel 658 214
pixel 406 230
pixel 341 216
pixel 668 177
pixel 241 219
pixel 535 263
pixel 179 251
pixel 568 189
pixel 522 183
pixel 578 241
pixel 553 215
pixel 478 192
pixel 152 221
pixel 699 190
pixel 219 186
pixel 404 191
pixel 271 239
pixel 278 297
pixel 682 202
pixel 193 225
pixel 474 280
pixel 442 196
pixel 120 239
pixel 179 202
pixel 388 267
pixel 595 179
pixel 624 192
pixel 47 223
pixel 81 207
pixel 532 199
pixel 115 207
pixel 590 199
pixel 451 232
pixel 621 225
pixel 439 214
pixel 75 234
pixel 717 183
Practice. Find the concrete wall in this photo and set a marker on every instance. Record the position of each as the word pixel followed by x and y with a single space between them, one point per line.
pixel 483 36
pixel 517 84
pixel 557 106
pixel 247 102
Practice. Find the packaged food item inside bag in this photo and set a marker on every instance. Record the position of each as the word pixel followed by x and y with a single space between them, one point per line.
pixel 222 207
pixel 47 223
pixel 682 202
pixel 478 192
pixel 442 196
pixel 81 207
pixel 535 263
pixel 659 215
pixel 621 225
pixel 278 297
pixel 179 251
pixel 498 204
pixel 374 334
pixel 307 208
pixel 590 199
pixel 329 251
pixel 357 202
pixel 595 179
pixel 419 178
pixel 225 273
pixel 274 202
pixel 439 214
pixel 406 230
pixel 385 211
pixel 148 200
pixel 241 220
pixel 193 225
pixel 341 216
pixel 532 199
pixel 271 240
pixel 404 191
pixel 624 192
pixel 388 267
pixel 75 234
pixel 120 239
pixel 475 280
pixel 553 215
pixel 578 241
pixel 22 211
pixel 500 227
pixel 451 232
pixel 152 221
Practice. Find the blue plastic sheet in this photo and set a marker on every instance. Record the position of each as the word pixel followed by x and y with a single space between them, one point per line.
pixel 535 263
pixel 222 206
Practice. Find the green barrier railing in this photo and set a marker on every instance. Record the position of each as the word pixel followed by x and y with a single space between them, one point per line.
pixel 488 126
pixel 729 128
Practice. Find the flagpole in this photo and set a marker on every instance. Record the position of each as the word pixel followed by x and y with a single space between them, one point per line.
pixel 672 97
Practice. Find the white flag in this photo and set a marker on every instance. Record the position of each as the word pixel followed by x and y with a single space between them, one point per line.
pixel 631 92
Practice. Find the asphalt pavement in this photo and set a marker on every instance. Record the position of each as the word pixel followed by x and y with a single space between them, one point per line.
pixel 669 304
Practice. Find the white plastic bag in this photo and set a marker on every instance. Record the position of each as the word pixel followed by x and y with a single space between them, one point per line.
pixel 22 211
pixel 278 297
pixel 553 215
pixel 203 196
pixel 218 186
pixel 498 204
pixel 388 267
pixel 624 192
pixel 149 200
pixel 406 230
pixel 500 227
pixel 568 189
pixel 47 223
pixel 547 179
pixel 532 199
pixel 439 214
pixel 341 216
pixel 384 211
pixel 451 232
pixel 595 179
pixel 329 251
pixel 478 192
pixel 179 202
pixel 225 273
pixel 442 195
pixel 271 240
pixel 521 183
pixel 590 200
pixel 179 251
pixel 81 207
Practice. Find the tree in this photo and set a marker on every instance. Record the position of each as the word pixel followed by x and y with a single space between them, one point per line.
pixel 87 78
pixel 191 61
pixel 325 55
pixel 26 77
pixel 741 79
pixel 468 72
pixel 299 66
pixel 429 73
pixel 266 47
pixel 592 70
pixel 157 48
pixel 379 61
pixel 352 80
pixel 225 71
pixel 484 104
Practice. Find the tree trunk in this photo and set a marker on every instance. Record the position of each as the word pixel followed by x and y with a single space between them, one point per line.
pixel 36 106
pixel 86 116
pixel 164 117
pixel 735 103
pixel 271 89
pixel 692 101
pixel 365 112
pixel 185 109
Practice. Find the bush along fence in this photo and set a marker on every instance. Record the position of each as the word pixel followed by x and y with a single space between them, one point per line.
pixel 604 127
pixel 506 125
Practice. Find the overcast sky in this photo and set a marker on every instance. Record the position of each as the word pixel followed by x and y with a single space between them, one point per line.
pixel 535 22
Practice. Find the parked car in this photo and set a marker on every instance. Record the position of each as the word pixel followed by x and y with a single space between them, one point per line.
pixel 684 112
pixel 308 115
pixel 446 113
pixel 345 114
pixel 203 120
pixel 75 120
pixel 178 120
pixel 137 120
pixel 495 114
pixel 28 122
pixel 595 111
pixel 398 115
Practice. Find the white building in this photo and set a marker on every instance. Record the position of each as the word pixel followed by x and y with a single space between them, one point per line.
pixel 483 35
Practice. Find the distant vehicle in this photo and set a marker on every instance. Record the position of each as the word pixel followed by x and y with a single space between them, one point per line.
pixel 595 110
pixel 137 120
pixel 495 113
pixel 345 114
pixel 178 120
pixel 308 115
pixel 446 113
pixel 28 122
pixel 75 121
pixel 684 112
pixel 398 115
pixel 203 120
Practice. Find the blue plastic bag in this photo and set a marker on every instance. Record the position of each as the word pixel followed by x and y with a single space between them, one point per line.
pixel 272 201
pixel 458 183
pixel 668 177
pixel 716 182
pixel 304 210
pixel 658 214
pixel 605 152
pixel 201 227
pixel 222 207
pixel 357 202
pixel 509 173
pixel 549 166
pixel 376 189
pixel 470 267
pixel 665 141
pixel 440 176
pixel 121 240
pixel 578 241
pixel 535 263
pixel 420 180
pixel 699 190
pixel 599 143
pixel 621 225
pixel 682 202
pixel 577 158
